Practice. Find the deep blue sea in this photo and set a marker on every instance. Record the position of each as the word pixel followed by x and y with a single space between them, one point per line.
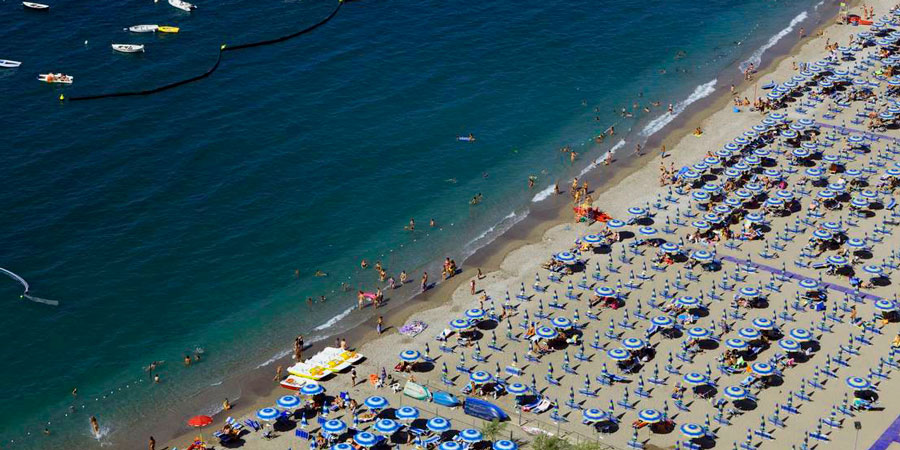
pixel 177 221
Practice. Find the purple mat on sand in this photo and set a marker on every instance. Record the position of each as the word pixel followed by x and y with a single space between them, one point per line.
pixel 862 132
pixel 891 434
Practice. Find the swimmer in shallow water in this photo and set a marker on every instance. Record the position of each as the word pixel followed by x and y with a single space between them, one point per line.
pixel 320 273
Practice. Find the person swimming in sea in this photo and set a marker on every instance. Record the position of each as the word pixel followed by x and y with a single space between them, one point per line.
pixel 95 426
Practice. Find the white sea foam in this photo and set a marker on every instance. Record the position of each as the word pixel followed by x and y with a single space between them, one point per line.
pixel 277 356
pixel 334 319
pixel 756 57
pixel 543 194
pixel 601 158
pixel 704 90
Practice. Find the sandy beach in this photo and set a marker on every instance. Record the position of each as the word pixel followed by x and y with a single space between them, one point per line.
pixel 745 264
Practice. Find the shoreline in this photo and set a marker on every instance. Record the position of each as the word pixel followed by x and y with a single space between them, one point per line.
pixel 257 388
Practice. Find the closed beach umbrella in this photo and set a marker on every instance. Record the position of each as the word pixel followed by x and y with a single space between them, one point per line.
pixel 376 402
pixel 749 333
pixel 593 415
pixel 736 344
pixel 460 324
pixel 858 383
pixel 561 323
pixel 471 435
pixel 438 424
pixel 698 332
pixel 736 393
pixel 565 257
pixel 618 354
pixel 288 401
pixel 517 389
pixel 407 413
pixel 505 445
pixel 409 355
pixel 662 321
pixel 633 343
pixel 312 388
pixel 650 415
pixel 763 323
pixel 365 439
pixel 789 345
pixel 800 334
pixel 694 378
pixel 762 369
pixel 475 313
pixel 268 413
pixel 480 377
pixel 387 426
pixel 199 421
pixel 692 430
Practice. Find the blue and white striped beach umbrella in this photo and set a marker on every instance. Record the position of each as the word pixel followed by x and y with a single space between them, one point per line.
pixel 892 172
pixel 339 446
pixel 754 217
pixel 450 445
pixel 288 401
pixel 712 218
pixel 712 188
pixel 700 167
pixel 831 158
pixel 822 234
pixel 475 313
pixel 311 388
pixel 650 415
pixel 480 377
pixel 772 173
pixel 856 243
pixel 749 292
pixel 814 172
pixel 517 389
pixel 699 332
pixel 740 140
pixel 749 333
pixel 767 122
pixel 702 255
pixel 387 426
pixel 800 153
pixel 832 226
pixel 859 202
pixel 809 284
pixel 565 257
pixel 885 305
pixel 800 334
pixel 731 173
pixel 471 435
pixel 688 301
pixel 700 196
pixel 872 269
pixel 637 211
pixel 663 321
pixel 789 345
pixel 743 194
pixel 762 369
pixel 777 116
pixel 789 134
pixel 614 224
pixel 376 402
pixel 592 239
pixel 690 174
pixel 406 413
pixel 784 195
pixel 700 224
pixel 365 439
pixel 633 343
pixel 735 393
pixel 647 231
pixel 410 355
pixel 731 147
pixel 334 426
pixel 561 323
pixel 545 332
pixel 504 444
pixel 692 430
pixel 837 260
pixel 670 247
pixel 855 138
pixel 858 383
pixel 593 415
pixel 711 160
pixel 736 344
pixel 752 160
pixel 854 173
pixel 438 424
pixel 763 323
pixel 774 202
pixel 618 354
pixel 460 324
pixel 722 209
pixel 741 166
pixel 724 153
pixel 836 187
pixel 695 378
pixel 268 413
pixel 604 291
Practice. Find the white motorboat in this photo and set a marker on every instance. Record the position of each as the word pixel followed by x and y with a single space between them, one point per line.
pixel 56 78
pixel 143 28
pixel 37 6
pixel 9 64
pixel 128 48
pixel 182 5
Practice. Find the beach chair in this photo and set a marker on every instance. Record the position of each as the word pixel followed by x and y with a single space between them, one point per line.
pixel 542 406
pixel 514 371
pixel 252 424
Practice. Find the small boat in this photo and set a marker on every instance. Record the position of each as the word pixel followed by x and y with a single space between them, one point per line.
pixel 9 64
pixel 168 29
pixel 56 78
pixel 37 6
pixel 182 5
pixel 143 28
pixel 293 383
pixel 128 48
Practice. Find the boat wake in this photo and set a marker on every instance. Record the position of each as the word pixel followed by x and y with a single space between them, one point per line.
pixel 702 91
pixel 756 57
pixel 27 288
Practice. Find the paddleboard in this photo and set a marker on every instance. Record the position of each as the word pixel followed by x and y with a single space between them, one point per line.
pixel 168 29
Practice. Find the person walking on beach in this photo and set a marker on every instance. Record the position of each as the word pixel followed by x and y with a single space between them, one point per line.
pixel 472 286
pixel 403 277
pixel 424 281
pixel 379 324
pixel 353 376
pixel 278 372
pixel 152 445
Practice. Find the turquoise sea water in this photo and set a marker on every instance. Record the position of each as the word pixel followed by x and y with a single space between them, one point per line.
pixel 176 221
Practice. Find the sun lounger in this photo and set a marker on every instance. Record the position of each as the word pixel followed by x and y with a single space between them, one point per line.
pixel 543 405
pixel 514 371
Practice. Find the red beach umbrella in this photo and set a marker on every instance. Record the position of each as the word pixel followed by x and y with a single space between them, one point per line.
pixel 199 421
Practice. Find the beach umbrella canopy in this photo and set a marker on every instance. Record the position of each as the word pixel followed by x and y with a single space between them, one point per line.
pixel 460 324
pixel 859 202
pixel 633 343
pixel 789 345
pixel 814 172
pixel 800 334
pixel 763 323
pixel 471 435
pixel 749 333
pixel 692 430
pixel 438 424
pixel 699 332
pixel 711 188
pixel 407 413
pixel 822 234
pixel 762 369
pixel 736 393
pixel 774 202
pixel 858 383
pixel 342 446
pixel 784 195
pixel 199 421
pixel 475 313
pixel 561 322
pixel 836 260
pixel 517 389
pixel 722 209
pixel 662 321
pixel 832 226
pixel 732 172
pixel 268 414
pixel 695 378
pixel 743 194
pixel 312 388
pixel 700 224
pixel 736 344
pixel 592 239
pixel 288 401
pixel 702 255
pixel 753 217
pixel 647 231
pixel 545 332
pixel 593 415
pixel 826 194
pixel 873 269
pixel 724 153
pixel 450 445
pixel 809 284
pixel 505 445
pixel 604 291
pixel 614 223
pixel 334 426
pixel 365 439
pixel 480 377
pixel 669 247
pixel 387 426
pixel 409 355
pixel 688 302
pixel 749 292
pixel 856 243
pixel 637 211
pixel 565 257
pixel 885 305
pixel 376 402
pixel 650 415
pixel 618 354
